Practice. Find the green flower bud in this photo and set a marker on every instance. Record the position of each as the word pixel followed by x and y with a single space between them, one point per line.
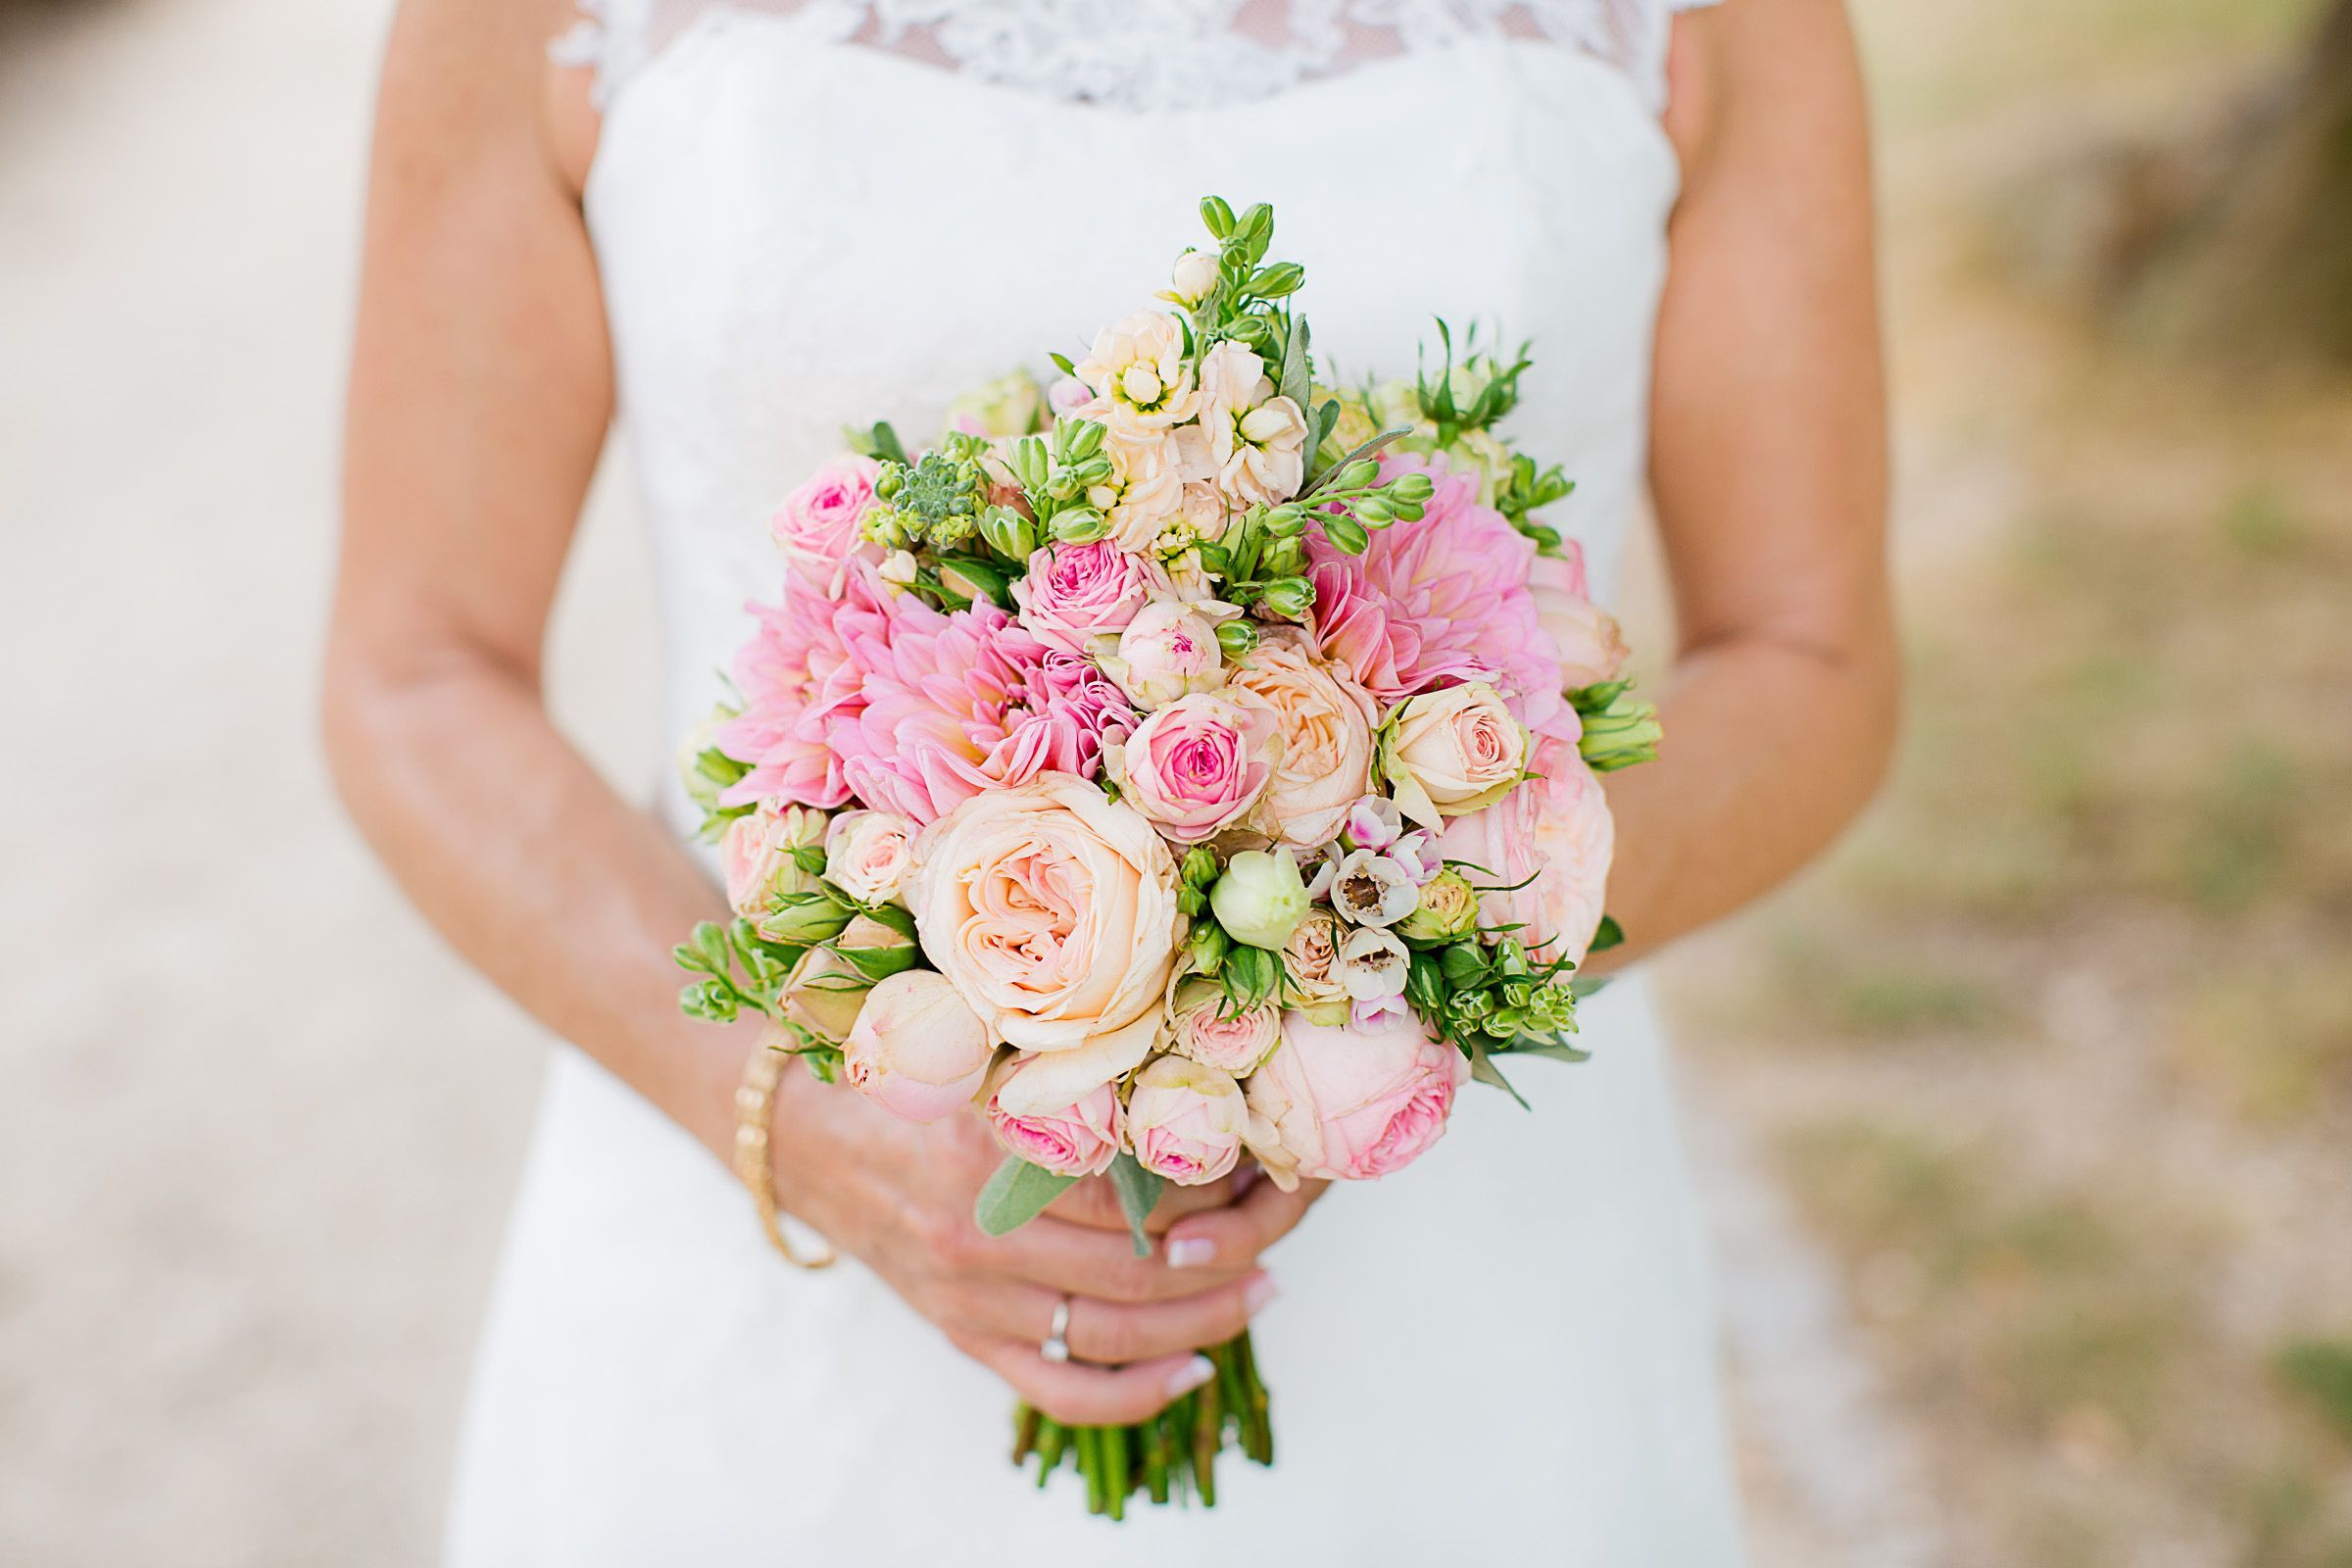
pixel 1291 598
pixel 1358 474
pixel 799 919
pixel 1620 735
pixel 1411 487
pixel 1199 867
pixel 1210 944
pixel 1080 525
pixel 1237 638
pixel 1345 535
pixel 1260 898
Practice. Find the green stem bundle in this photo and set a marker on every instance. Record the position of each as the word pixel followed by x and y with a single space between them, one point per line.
pixel 1171 1457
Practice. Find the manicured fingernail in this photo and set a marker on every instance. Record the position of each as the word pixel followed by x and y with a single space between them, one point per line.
pixel 1190 1376
pixel 1258 1293
pixel 1190 1252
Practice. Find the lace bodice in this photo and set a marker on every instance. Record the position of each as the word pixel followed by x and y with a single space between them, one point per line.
pixel 1146 55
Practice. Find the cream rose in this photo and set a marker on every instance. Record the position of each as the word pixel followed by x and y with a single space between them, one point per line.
pixel 1053 910
pixel 1144 492
pixel 868 854
pixel 759 857
pixel 1451 752
pixel 1324 721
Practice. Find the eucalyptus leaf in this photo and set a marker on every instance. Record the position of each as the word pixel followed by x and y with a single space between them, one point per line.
pixel 1016 1195
pixel 1138 1190
pixel 1582 987
pixel 1556 1050
pixel 1608 935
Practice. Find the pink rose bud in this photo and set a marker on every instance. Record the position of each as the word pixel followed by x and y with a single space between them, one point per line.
pixel 1185 1120
pixel 1350 1102
pixel 1209 1029
pixel 1169 650
pixel 917 1050
pixel 1591 649
pixel 1081 1139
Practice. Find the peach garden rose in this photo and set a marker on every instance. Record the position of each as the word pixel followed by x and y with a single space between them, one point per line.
pixel 1323 722
pixel 1052 910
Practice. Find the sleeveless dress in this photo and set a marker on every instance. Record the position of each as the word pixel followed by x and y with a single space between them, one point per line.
pixel 812 214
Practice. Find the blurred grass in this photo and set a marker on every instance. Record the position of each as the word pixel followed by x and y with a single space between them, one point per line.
pixel 2056 1050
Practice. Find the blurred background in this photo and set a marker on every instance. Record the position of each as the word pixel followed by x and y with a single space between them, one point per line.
pixel 2027 1115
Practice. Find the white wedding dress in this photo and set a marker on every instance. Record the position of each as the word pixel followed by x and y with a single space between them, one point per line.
pixel 807 215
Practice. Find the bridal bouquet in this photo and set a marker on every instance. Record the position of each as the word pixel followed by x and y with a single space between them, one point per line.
pixel 1180 762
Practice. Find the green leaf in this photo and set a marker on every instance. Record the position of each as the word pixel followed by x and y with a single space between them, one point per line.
pixel 1138 1190
pixel 1580 988
pixel 1016 1195
pixel 1296 375
pixel 1483 1070
pixel 1609 934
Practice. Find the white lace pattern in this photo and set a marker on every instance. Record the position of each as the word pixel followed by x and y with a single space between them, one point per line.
pixel 1147 54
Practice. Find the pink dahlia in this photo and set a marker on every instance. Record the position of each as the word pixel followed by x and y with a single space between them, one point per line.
pixel 791 675
pixel 1440 599
pixel 953 702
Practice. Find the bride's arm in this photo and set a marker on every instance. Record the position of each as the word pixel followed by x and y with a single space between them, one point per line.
pixel 1768 462
pixel 481 391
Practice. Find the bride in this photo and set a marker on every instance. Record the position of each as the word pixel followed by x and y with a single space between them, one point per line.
pixel 729 226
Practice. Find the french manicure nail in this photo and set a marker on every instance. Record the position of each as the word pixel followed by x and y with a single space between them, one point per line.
pixel 1191 1376
pixel 1190 1252
pixel 1259 1291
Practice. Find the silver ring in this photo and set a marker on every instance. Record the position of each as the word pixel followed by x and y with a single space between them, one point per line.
pixel 1054 1348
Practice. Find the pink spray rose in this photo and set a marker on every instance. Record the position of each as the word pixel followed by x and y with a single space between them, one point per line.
pixel 1185 1120
pixel 816 526
pixel 1350 1102
pixel 1205 1026
pixel 1073 594
pixel 916 1050
pixel 1195 766
pixel 1079 1138
pixel 1450 752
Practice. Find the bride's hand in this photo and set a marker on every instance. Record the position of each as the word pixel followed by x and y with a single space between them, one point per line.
pixel 900 1198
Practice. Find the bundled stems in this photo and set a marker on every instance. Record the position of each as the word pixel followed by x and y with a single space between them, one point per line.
pixel 1170 1457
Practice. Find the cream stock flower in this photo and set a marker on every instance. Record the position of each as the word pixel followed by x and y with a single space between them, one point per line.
pixel 1053 910
pixel 1144 490
pixel 1249 439
pixel 1139 373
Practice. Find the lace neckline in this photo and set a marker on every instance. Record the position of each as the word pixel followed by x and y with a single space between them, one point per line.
pixel 1141 56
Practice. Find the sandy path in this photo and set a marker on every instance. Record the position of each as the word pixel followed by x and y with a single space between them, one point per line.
pixel 258 1128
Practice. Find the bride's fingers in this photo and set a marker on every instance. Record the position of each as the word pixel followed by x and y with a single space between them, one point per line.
pixel 1114 1333
pixel 1095 1201
pixel 1233 1236
pixel 1089 1395
pixel 1081 1260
